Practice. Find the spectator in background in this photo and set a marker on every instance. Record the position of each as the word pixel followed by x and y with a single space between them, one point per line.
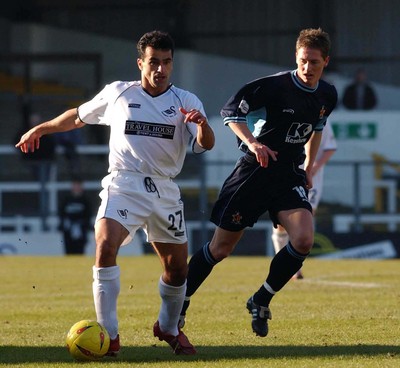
pixel 69 141
pixel 75 219
pixel 359 95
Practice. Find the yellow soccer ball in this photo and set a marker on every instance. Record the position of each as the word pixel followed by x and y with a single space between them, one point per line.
pixel 87 340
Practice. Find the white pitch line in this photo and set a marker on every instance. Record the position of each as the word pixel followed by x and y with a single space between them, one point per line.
pixel 367 285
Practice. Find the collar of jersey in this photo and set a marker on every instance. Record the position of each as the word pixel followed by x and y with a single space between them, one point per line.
pixel 299 84
pixel 168 88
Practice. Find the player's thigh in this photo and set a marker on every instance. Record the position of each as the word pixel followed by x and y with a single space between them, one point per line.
pixel 109 235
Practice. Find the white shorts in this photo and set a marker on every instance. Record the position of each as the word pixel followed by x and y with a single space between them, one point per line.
pixel 315 193
pixel 136 200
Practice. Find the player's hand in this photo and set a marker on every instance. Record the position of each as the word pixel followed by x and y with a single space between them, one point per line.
pixel 309 176
pixel 263 153
pixel 29 142
pixel 315 169
pixel 193 116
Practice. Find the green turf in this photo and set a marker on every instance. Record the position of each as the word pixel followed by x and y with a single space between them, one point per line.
pixel 343 314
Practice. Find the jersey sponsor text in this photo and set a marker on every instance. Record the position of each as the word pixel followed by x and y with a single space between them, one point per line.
pixel 149 129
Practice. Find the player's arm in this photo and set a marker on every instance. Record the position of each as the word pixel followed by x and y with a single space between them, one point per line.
pixel 325 157
pixel 68 120
pixel 311 148
pixel 262 152
pixel 205 135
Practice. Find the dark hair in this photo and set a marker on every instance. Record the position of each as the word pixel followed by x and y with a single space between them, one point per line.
pixel 156 39
pixel 314 38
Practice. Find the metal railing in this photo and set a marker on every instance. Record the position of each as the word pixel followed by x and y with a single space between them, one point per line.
pixel 353 184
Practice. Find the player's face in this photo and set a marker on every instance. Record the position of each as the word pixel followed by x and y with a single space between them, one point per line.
pixel 310 65
pixel 156 69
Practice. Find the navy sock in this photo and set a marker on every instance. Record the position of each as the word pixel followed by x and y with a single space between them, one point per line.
pixel 200 266
pixel 283 266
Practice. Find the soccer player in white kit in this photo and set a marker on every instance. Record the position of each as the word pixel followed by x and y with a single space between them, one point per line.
pixel 326 149
pixel 151 124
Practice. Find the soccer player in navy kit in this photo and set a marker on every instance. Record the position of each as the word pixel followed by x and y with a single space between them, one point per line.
pixel 286 110
pixel 151 124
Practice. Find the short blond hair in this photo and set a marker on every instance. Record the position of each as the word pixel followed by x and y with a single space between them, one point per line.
pixel 314 38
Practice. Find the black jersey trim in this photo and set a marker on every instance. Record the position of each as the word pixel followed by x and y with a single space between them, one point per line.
pixel 160 94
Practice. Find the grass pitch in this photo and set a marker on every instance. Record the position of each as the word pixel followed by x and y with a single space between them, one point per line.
pixel 345 313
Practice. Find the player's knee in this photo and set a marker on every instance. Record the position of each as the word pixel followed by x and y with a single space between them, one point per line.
pixel 303 244
pixel 220 251
pixel 106 254
pixel 175 275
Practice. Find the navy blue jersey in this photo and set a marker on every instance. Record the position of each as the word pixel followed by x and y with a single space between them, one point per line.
pixel 281 112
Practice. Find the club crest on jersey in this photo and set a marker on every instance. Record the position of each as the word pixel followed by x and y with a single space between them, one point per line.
pixel 169 113
pixel 237 218
pixel 322 112
pixel 123 214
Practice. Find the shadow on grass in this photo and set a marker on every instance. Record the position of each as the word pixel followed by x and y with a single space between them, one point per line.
pixel 46 354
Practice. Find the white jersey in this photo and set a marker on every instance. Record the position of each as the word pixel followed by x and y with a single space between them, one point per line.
pixel 148 134
pixel 328 140
pixel 328 143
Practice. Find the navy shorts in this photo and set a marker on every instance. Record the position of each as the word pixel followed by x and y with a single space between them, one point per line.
pixel 250 191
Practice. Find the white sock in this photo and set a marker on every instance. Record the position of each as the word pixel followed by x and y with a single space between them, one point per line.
pixel 106 287
pixel 172 298
pixel 279 239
